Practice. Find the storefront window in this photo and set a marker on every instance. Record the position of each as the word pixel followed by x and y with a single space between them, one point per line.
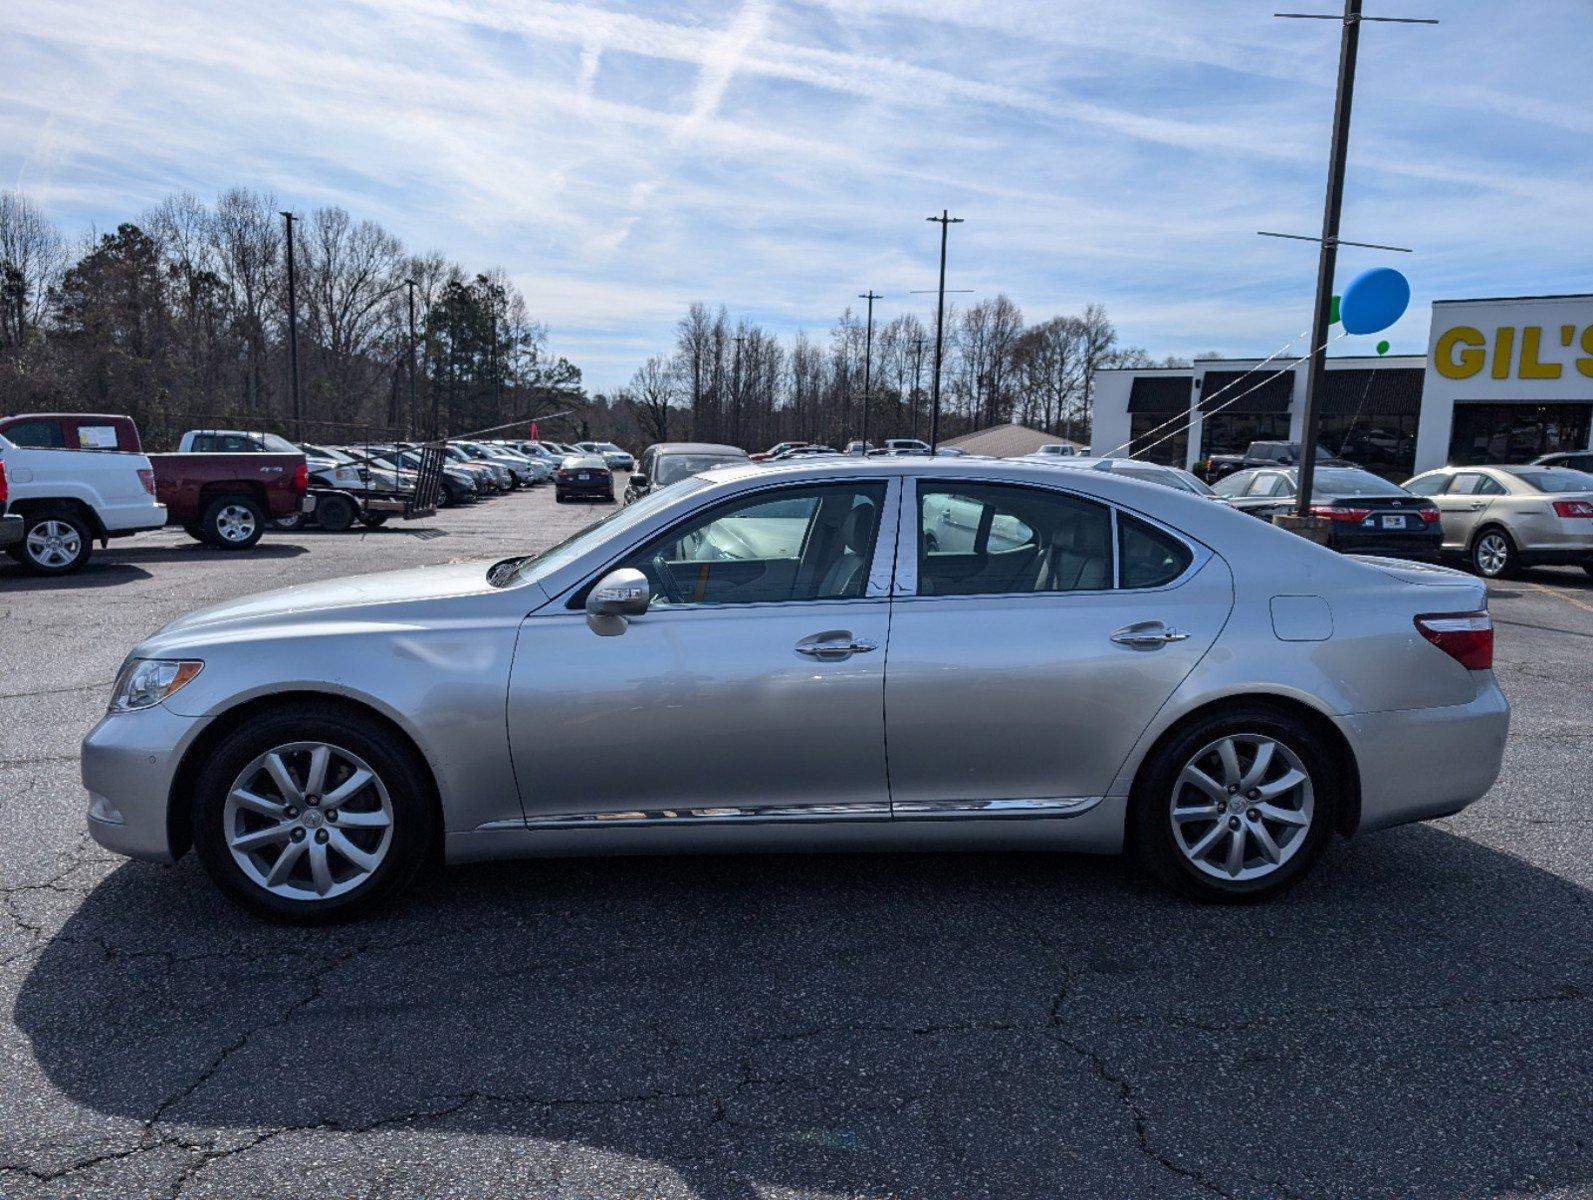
pixel 1143 431
pixel 1232 433
pixel 1516 433
pixel 1385 446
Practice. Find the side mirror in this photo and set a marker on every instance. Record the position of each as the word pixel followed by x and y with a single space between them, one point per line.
pixel 618 595
pixel 638 480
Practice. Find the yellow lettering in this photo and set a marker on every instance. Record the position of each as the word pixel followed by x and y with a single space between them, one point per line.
pixel 1585 365
pixel 1531 368
pixel 1504 347
pixel 1467 362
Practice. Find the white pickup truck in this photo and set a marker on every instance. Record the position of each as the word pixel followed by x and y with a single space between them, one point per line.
pixel 69 499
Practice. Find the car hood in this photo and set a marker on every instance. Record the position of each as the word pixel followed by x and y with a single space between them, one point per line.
pixel 348 599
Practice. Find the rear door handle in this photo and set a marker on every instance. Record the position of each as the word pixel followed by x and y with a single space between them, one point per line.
pixel 1148 635
pixel 834 645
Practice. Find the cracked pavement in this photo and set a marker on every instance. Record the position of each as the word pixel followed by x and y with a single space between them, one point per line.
pixel 1413 1021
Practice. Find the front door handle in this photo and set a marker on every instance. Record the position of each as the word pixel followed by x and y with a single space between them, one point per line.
pixel 1148 635
pixel 834 645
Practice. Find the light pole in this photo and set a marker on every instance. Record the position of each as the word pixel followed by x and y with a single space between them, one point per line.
pixel 946 221
pixel 410 284
pixel 868 352
pixel 293 336
pixel 918 362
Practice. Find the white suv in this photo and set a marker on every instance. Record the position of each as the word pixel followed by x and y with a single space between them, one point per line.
pixel 69 499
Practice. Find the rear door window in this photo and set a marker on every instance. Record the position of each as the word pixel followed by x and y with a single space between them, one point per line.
pixel 41 435
pixel 996 539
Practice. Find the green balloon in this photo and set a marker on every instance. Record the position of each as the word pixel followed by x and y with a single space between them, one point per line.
pixel 1382 347
pixel 1333 312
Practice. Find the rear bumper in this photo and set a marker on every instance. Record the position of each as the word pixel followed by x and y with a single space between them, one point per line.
pixel 10 530
pixel 1423 547
pixel 128 763
pixel 1420 763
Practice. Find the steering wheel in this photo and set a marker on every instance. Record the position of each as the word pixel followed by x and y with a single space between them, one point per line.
pixel 666 576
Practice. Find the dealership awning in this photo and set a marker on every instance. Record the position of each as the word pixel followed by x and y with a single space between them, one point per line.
pixel 1373 392
pixel 1160 394
pixel 1262 390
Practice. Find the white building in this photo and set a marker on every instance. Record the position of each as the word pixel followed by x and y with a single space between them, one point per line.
pixel 1504 380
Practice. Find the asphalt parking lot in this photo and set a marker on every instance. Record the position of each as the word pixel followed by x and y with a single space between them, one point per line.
pixel 1413 1021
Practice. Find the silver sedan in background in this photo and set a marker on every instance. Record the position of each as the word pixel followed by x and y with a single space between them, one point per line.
pixel 1500 519
pixel 888 653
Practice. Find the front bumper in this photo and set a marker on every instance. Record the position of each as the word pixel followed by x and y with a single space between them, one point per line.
pixel 1420 763
pixel 128 763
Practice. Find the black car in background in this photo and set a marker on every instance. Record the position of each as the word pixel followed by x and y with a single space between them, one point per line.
pixel 583 475
pixel 668 462
pixel 1366 513
pixel 1265 454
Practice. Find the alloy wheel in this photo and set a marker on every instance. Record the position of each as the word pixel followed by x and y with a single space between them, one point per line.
pixel 1242 807
pixel 235 523
pixel 308 821
pixel 53 544
pixel 1492 554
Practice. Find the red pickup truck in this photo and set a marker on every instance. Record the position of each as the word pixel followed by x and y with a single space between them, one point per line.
pixel 224 499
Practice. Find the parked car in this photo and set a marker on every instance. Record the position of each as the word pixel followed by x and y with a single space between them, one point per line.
pixel 460 485
pixel 488 480
pixel 775 451
pixel 585 475
pixel 806 450
pixel 1129 468
pixel 1253 694
pixel 859 448
pixel 67 500
pixel 501 474
pixel 1500 519
pixel 670 462
pixel 1267 454
pixel 73 431
pixel 1055 450
pixel 617 459
pixel 951 452
pixel 1576 460
pixel 520 471
pixel 1366 513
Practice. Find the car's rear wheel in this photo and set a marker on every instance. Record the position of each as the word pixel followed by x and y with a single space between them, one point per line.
pixel 290 523
pixel 1237 806
pixel 335 514
pixel 55 541
pixel 232 522
pixel 1493 554
pixel 312 815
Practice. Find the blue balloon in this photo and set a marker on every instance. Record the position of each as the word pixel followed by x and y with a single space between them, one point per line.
pixel 1374 300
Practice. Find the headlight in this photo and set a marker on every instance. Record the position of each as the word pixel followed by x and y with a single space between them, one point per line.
pixel 145 682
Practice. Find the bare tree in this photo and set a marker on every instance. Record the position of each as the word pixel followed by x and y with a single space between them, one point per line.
pixel 654 388
pixel 33 256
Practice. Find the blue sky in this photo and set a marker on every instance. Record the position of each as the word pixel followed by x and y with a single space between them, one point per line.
pixel 621 160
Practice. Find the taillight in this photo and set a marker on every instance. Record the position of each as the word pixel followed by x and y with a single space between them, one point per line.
pixel 1574 508
pixel 1340 514
pixel 301 477
pixel 147 478
pixel 1431 515
pixel 1465 637
pixel 5 488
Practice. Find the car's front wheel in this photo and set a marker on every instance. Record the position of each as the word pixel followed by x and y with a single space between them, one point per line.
pixel 313 814
pixel 1237 806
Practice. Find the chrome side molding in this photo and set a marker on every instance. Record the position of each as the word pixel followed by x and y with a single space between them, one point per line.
pixel 934 810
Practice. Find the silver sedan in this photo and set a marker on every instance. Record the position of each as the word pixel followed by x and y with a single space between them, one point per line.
pixel 854 654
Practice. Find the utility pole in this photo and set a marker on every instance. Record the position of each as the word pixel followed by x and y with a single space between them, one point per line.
pixel 918 360
pixel 293 336
pixel 1327 258
pixel 868 353
pixel 946 221
pixel 735 391
pixel 410 283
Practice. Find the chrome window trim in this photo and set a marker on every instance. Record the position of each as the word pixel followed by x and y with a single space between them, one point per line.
pixel 906 587
pixel 879 569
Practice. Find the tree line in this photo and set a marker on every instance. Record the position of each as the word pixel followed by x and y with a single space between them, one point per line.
pixel 180 319
pixel 736 382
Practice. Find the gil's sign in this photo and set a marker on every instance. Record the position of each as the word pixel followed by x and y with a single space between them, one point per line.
pixel 1530 352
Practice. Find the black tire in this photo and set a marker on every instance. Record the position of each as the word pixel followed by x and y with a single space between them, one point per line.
pixel 374 520
pixel 335 514
pixel 55 541
pixel 291 523
pixel 1159 786
pixel 1493 554
pixel 232 522
pixel 395 763
pixel 560 498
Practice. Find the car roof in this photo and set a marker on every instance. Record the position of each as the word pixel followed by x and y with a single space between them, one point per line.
pixel 695 448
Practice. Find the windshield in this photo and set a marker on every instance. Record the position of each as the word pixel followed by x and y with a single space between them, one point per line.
pixel 1346 481
pixel 278 445
pixel 533 567
pixel 678 466
pixel 1172 479
pixel 327 452
pixel 1556 480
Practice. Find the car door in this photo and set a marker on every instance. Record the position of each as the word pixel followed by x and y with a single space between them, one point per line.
pixel 1463 504
pixel 1026 660
pixel 753 686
